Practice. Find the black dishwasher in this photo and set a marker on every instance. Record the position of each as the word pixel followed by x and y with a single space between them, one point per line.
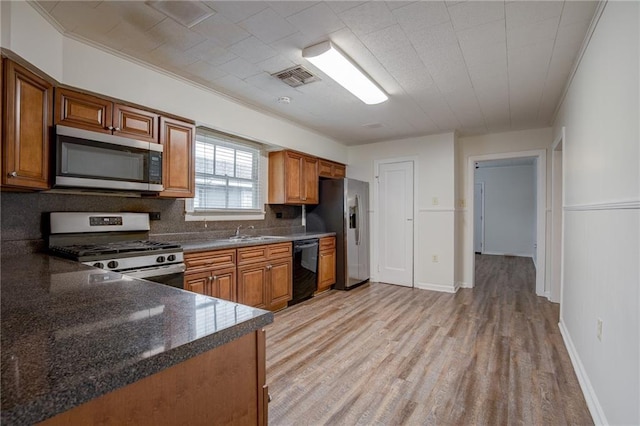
pixel 305 269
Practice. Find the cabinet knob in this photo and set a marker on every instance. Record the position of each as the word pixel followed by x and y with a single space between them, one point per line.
pixel 215 277
pixel 210 279
pixel 110 127
pixel 117 129
pixel 269 267
pixel 13 174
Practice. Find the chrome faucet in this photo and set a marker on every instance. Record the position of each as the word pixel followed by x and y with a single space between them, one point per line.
pixel 237 234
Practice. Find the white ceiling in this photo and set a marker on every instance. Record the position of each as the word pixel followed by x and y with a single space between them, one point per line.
pixel 472 66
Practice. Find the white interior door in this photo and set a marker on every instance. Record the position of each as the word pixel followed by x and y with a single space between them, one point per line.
pixel 478 217
pixel 395 198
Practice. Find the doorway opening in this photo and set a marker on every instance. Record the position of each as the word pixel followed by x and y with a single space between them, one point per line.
pixel 537 251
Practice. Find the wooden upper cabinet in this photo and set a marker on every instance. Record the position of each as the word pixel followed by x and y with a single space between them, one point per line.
pixel 135 123
pixel 178 158
pixel 293 178
pixel 27 120
pixel 75 109
pixel 89 112
pixel 329 169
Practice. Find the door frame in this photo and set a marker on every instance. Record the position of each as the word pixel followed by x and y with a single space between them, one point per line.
pixel 481 214
pixel 541 211
pixel 557 235
pixel 375 274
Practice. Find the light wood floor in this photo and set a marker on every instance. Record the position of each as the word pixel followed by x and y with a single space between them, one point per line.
pixel 384 354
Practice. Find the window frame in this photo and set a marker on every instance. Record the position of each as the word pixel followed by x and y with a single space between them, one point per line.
pixel 221 214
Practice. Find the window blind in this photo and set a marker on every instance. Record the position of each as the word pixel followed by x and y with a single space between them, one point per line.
pixel 227 174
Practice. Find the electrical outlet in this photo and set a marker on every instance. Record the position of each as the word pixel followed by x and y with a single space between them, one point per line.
pixel 599 329
pixel 434 258
pixel 435 201
pixel 154 215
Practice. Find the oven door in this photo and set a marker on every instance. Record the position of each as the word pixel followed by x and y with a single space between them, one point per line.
pixel 171 275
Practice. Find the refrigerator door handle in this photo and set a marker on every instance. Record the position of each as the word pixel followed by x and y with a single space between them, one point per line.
pixel 357 220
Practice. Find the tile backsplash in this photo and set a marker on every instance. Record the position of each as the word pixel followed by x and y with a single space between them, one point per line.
pixel 24 218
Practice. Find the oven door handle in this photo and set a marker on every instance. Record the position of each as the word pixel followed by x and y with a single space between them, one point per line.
pixel 156 272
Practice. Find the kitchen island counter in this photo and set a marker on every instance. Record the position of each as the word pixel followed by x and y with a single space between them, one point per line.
pixel 72 333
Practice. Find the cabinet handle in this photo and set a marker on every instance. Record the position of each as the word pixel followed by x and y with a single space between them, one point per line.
pixel 13 174
pixel 215 277
pixel 110 127
pixel 210 279
pixel 117 129
pixel 269 267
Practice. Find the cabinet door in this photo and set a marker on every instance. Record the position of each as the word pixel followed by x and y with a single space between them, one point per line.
pixel 310 181
pixel 294 178
pixel 198 282
pixel 27 128
pixel 178 162
pixel 339 171
pixel 325 168
pixel 326 269
pixel 135 123
pixel 83 111
pixel 280 283
pixel 252 289
pixel 224 285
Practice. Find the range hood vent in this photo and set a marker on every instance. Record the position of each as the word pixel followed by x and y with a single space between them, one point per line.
pixel 296 76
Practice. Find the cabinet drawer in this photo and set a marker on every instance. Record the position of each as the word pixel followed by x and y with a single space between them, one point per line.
pixel 210 260
pixel 280 250
pixel 252 254
pixel 327 243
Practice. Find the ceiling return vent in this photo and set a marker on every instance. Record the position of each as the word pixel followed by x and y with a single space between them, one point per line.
pixel 186 13
pixel 296 76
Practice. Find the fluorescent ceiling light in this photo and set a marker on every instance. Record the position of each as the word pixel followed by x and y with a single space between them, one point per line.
pixel 340 68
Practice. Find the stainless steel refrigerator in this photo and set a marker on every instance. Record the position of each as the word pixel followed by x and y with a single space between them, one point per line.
pixel 344 209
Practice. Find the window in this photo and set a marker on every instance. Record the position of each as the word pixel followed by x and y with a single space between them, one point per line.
pixel 228 176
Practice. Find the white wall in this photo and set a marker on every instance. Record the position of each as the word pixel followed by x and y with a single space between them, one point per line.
pixel 602 217
pixel 83 66
pixel 495 143
pixel 434 224
pixel 509 209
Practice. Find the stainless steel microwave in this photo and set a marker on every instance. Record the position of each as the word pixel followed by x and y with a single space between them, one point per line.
pixel 87 159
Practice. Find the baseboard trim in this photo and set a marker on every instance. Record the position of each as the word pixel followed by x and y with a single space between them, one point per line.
pixel 585 384
pixel 492 253
pixel 437 287
pixel 461 284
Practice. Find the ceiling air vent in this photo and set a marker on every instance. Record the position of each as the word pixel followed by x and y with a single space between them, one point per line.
pixel 296 76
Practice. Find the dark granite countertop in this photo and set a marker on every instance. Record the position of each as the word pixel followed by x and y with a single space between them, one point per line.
pixel 192 246
pixel 71 333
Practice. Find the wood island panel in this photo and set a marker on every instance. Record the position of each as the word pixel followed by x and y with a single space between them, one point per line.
pixel 226 385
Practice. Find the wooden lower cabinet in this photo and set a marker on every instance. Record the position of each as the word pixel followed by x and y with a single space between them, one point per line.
pixel 212 273
pixel 265 276
pixel 226 385
pixel 262 277
pixel 214 283
pixel 326 263
pixel 252 285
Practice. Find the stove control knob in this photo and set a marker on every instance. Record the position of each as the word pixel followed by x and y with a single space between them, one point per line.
pixel 98 265
pixel 160 259
pixel 171 257
pixel 113 264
